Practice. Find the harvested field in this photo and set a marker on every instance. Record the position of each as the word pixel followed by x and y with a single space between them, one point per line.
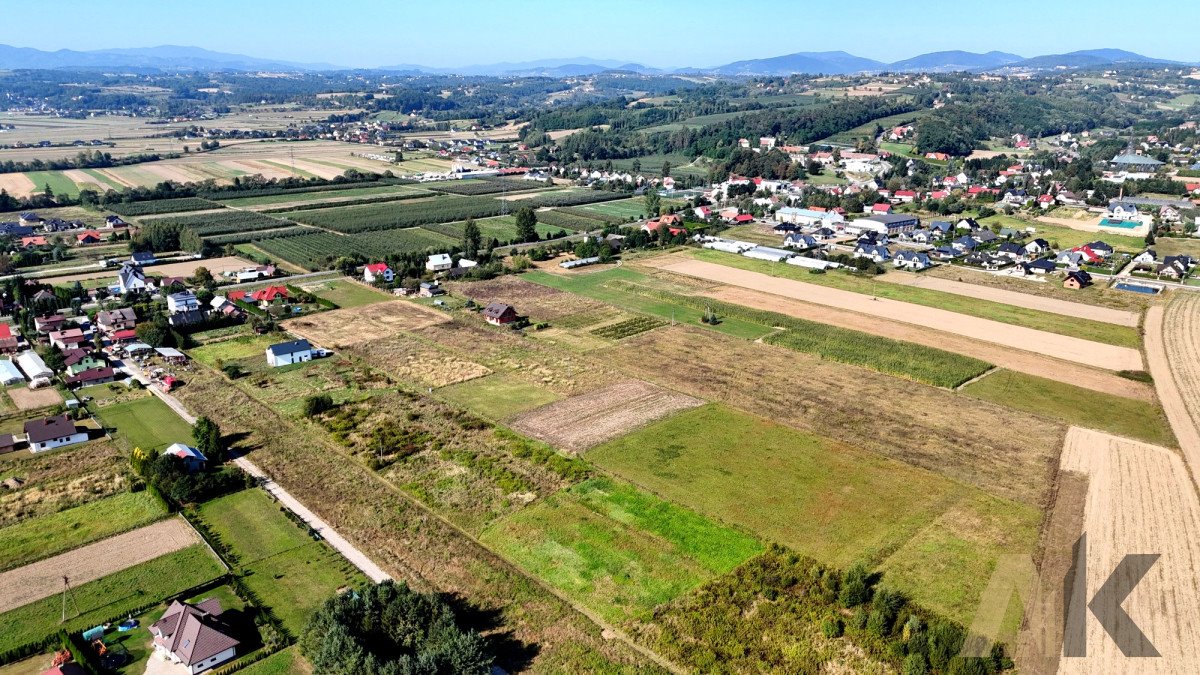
pixel 1020 361
pixel 180 269
pixel 1095 295
pixel 44 578
pixel 353 325
pixel 32 399
pixel 413 360
pixel 1173 350
pixel 540 303
pixel 17 184
pixel 1139 500
pixel 1063 307
pixel 1041 342
pixel 580 422
pixel 859 407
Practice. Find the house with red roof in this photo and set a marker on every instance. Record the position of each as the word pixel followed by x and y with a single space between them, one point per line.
pixel 378 272
pixel 906 196
pixel 270 295
pixel 743 219
pixel 89 237
pixel 33 242
pixel 673 222
pixel 881 208
pixel 937 156
pixel 1045 201
pixel 236 296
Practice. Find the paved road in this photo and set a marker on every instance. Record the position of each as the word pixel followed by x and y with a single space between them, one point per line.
pixel 339 543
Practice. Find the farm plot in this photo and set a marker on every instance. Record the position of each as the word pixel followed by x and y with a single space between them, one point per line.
pixel 33 399
pixel 569 221
pixel 628 327
pixel 622 210
pixel 1173 350
pixel 489 186
pixel 145 423
pixel 501 228
pixel 1140 499
pixel 157 206
pixel 498 397
pixel 308 196
pixel 350 326
pixel 319 249
pixel 50 483
pixel 38 580
pixel 821 498
pixel 412 360
pixel 582 421
pixel 540 303
pixel 618 551
pixel 1063 347
pixel 225 222
pixel 345 293
pixel 356 219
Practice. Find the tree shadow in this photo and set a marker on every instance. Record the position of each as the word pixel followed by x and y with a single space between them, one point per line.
pixel 511 654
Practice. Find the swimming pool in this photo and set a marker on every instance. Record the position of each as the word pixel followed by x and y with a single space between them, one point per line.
pixel 1137 288
pixel 1120 224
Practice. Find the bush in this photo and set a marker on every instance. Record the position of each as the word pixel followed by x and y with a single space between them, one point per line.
pixel 915 664
pixel 315 405
pixel 833 627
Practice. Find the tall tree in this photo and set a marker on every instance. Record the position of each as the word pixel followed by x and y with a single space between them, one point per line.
pixel 526 224
pixel 472 239
pixel 653 202
pixel 208 439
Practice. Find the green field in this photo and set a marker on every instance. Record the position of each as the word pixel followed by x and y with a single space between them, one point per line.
pixel 619 551
pixel 38 538
pixel 498 396
pixel 831 501
pixel 1067 403
pixel 60 184
pixel 146 423
pixel 1165 246
pixel 232 350
pixel 284 662
pixel 1065 237
pixel 104 181
pixel 297 197
pixel 624 208
pixel 652 165
pixel 1098 331
pixel 319 249
pixel 286 569
pixel 867 131
pixel 112 597
pixel 345 293
pixel 501 228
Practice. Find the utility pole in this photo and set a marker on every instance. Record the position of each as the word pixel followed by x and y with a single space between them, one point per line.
pixel 68 592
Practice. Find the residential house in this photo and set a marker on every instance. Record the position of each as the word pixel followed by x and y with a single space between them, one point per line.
pixel 110 321
pixel 887 223
pixel 89 237
pixel 1169 214
pixel 1039 266
pixel 912 260
pixel 185 301
pixel 190 317
pixel 1038 247
pixel 941 228
pixel 800 241
pixel 429 289
pixel 286 353
pixel 373 272
pixel 30 219
pixel 79 360
pixel 1011 250
pixel 986 260
pixel 905 196
pixel 53 432
pixel 33 242
pixel 1100 248
pixel 1070 258
pixel 703 212
pixel 1045 201
pixel 439 262
pixel 115 222
pixel 1077 280
pixel 984 235
pixel 194 636
pixel 808 217
pixel 143 258
pixel 671 223
pixel 193 460
pixel 92 376
pixel 1169 271
pixel 879 209
pixel 131 279
pixel 1122 210
pixel 271 295
pixel 70 338
pixel 499 314
pixel 877 253
pixel 945 253
pixel 964 244
pixel 1146 257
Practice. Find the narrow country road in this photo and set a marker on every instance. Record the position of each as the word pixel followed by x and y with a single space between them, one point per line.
pixel 339 543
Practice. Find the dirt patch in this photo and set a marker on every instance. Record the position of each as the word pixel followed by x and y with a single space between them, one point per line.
pixel 1063 347
pixel 1043 304
pixel 17 184
pixel 538 302
pixel 409 359
pixel 179 269
pixel 583 421
pixel 32 399
pixel 1139 500
pixel 1020 361
pixel 1004 452
pixel 1173 352
pixel 87 563
pixel 354 325
pixel 1073 223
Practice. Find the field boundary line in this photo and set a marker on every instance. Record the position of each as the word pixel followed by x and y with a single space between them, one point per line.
pixel 977 378
pixel 1169 394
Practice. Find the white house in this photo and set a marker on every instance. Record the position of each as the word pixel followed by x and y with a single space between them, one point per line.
pixel 182 302
pixel 797 216
pixel 876 253
pixel 378 272
pixel 131 278
pixel 287 353
pixel 193 460
pixel 1122 210
pixel 53 432
pixel 439 262
pixel 912 260
pixel 194 636
pixel 33 366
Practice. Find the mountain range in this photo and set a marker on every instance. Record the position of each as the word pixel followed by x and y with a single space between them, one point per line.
pixel 174 58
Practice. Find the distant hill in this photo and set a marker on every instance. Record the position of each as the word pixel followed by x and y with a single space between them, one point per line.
pixel 166 57
pixel 1087 58
pixel 832 63
pixel 941 62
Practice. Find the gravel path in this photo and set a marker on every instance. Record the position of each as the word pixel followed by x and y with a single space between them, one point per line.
pixel 1062 347
pixel 87 563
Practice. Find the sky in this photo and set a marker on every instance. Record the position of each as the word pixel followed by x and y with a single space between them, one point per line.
pixel 659 33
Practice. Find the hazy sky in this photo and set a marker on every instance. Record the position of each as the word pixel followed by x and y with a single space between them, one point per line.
pixel 653 32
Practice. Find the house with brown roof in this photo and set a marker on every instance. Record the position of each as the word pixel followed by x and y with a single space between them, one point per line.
pixel 116 319
pixel 53 432
pixel 194 636
pixel 499 314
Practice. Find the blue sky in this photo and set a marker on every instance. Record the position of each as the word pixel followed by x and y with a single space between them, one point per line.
pixel 653 32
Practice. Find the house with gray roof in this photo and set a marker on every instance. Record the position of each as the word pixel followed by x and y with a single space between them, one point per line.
pixel 287 353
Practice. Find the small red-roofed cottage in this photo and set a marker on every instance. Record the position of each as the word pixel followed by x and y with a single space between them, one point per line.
pixel 881 208
pixel 270 295
pixel 378 272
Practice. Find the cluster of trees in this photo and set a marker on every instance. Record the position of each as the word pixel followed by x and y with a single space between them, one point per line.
pixel 170 478
pixel 83 160
pixel 391 629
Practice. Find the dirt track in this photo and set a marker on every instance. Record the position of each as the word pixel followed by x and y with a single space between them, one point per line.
pixel 44 578
pixel 179 269
pixel 1173 353
pixel 1040 303
pixel 1062 347
pixel 1020 361
pixel 1139 500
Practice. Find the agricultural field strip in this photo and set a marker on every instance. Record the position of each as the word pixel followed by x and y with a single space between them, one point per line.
pixel 38 580
pixel 1020 361
pixel 1062 347
pixel 1042 304
pixel 1139 500
pixel 1174 358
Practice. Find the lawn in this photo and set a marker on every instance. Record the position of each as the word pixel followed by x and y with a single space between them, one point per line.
pixel 1063 237
pixel 498 396
pixel 619 551
pixel 112 597
pixel 820 497
pixel 287 570
pixel 596 285
pixel 345 293
pixel 1067 403
pixel 48 535
pixel 624 208
pixel 237 348
pixel 146 423
pixel 1098 331
pixel 284 662
pixel 1165 246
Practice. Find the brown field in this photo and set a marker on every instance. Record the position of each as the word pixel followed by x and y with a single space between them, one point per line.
pixel 178 269
pixel 1139 500
pixel 1020 361
pixel 1048 344
pixel 32 399
pixel 87 563
pixel 16 184
pixel 583 421
pixel 540 303
pixel 410 359
pixel 1092 224
pixel 353 325
pixel 61 480
pixel 1096 295
pixel 1173 351
pixel 1043 304
pixel 911 422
